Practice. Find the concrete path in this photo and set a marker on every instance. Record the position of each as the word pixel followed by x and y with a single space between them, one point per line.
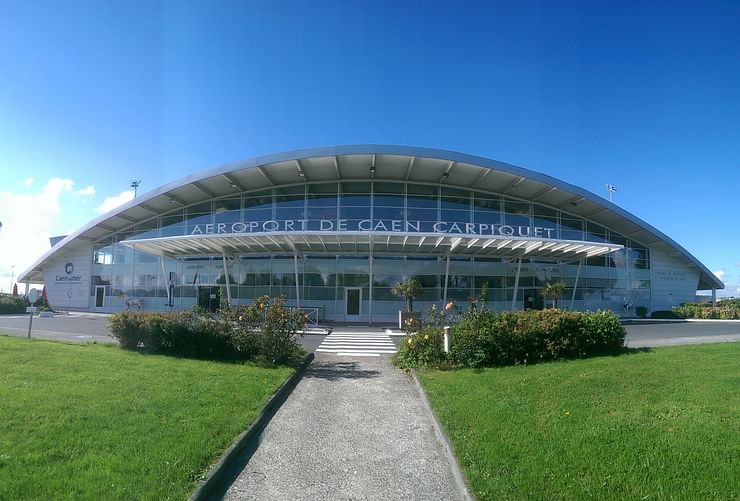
pixel 353 428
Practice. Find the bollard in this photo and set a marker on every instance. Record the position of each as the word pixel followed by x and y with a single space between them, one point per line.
pixel 447 339
pixel 31 310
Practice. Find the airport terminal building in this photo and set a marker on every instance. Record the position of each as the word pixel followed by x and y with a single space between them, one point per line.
pixel 333 229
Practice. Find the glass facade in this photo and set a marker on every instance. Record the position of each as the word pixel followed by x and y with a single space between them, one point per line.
pixel 606 281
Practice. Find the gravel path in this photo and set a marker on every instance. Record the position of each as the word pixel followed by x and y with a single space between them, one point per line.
pixel 353 428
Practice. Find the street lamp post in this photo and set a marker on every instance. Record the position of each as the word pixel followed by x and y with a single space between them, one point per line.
pixel 135 185
pixel 611 189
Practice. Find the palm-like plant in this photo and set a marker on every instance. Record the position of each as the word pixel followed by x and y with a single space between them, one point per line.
pixel 553 290
pixel 408 289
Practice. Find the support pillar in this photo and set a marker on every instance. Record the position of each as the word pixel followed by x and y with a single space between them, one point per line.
pixel 226 277
pixel 370 294
pixel 297 284
pixel 575 286
pixel 28 285
pixel 516 284
pixel 447 276
pixel 714 296
pixel 165 281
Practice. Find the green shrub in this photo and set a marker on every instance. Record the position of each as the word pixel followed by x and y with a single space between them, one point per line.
pixel 273 328
pixel 641 311
pixel 665 315
pixel 126 328
pixel 724 310
pixel 488 339
pixel 10 304
pixel 265 330
pixel 422 349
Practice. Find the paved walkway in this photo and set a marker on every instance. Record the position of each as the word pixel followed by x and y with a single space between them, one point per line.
pixel 353 428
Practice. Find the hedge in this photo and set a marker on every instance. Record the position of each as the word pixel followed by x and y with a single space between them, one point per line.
pixel 10 304
pixel 263 331
pixel 488 339
pixel 724 310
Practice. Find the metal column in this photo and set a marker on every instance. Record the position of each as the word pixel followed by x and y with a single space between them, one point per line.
pixel 447 276
pixel 370 295
pixel 575 286
pixel 516 284
pixel 226 277
pixel 165 281
pixel 297 285
pixel 714 296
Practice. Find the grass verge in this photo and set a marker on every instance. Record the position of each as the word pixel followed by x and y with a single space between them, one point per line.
pixel 96 422
pixel 660 424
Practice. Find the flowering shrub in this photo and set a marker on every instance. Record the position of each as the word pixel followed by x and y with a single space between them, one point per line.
pixel 422 349
pixel 265 330
pixel 447 315
pixel 268 327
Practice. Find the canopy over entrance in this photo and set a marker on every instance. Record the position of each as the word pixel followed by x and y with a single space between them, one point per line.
pixel 359 242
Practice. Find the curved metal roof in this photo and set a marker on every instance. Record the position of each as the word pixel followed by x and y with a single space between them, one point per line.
pixel 362 162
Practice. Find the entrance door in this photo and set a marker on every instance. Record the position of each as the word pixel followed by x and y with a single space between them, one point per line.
pixel 533 299
pixel 209 298
pixel 99 296
pixel 352 302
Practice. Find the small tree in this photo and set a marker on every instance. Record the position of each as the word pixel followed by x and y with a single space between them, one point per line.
pixel 553 290
pixel 408 289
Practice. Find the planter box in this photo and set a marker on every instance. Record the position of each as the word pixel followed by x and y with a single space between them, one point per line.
pixel 407 315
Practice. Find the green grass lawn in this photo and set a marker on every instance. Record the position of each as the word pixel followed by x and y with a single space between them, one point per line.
pixel 96 422
pixel 661 424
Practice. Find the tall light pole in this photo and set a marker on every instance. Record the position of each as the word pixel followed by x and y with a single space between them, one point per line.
pixel 12 277
pixel 135 185
pixel 611 189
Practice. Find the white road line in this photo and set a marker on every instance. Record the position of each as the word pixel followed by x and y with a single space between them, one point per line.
pixel 361 344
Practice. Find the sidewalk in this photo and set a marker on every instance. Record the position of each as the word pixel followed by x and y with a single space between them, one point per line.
pixel 353 428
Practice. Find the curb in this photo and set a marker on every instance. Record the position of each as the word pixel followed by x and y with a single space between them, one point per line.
pixel 442 437
pixel 638 321
pixel 233 460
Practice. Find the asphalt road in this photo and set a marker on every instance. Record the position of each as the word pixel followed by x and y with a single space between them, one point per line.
pixel 92 327
pixel 651 334
pixel 74 327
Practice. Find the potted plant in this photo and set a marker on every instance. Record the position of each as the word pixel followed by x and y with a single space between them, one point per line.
pixel 552 291
pixel 409 290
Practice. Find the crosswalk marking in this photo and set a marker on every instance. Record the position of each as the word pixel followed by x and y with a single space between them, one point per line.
pixel 363 344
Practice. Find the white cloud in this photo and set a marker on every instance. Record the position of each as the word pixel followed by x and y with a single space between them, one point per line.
pixel 730 276
pixel 88 190
pixel 111 203
pixel 27 219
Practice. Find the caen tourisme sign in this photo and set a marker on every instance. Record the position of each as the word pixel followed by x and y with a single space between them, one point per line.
pixel 373 225
pixel 70 277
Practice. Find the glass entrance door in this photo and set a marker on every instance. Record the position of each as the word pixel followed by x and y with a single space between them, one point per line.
pixel 352 302
pixel 99 296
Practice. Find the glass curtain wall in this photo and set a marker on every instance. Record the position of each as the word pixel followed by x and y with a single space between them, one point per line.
pixel 602 282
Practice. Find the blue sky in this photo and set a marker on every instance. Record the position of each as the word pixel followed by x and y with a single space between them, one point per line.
pixel 644 95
